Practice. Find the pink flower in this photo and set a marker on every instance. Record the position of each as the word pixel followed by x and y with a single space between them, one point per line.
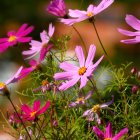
pixel 13 79
pixel 93 113
pixel 32 113
pixel 57 8
pixel 16 37
pixel 43 47
pixel 134 23
pixel 81 99
pixel 92 10
pixel 26 71
pixel 108 134
pixel 74 73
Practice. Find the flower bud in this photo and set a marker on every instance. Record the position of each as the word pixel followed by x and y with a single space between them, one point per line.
pixel 134 89
pixel 133 70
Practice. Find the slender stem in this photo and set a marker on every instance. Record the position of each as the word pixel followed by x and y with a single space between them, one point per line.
pixel 105 52
pixel 40 130
pixel 96 90
pixel 81 40
pixel 19 116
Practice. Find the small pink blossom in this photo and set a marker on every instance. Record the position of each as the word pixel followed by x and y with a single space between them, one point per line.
pixel 74 73
pixel 92 10
pixel 57 8
pixel 40 47
pixel 31 114
pixel 135 24
pixel 16 37
pixel 13 79
pixel 93 113
pixel 108 134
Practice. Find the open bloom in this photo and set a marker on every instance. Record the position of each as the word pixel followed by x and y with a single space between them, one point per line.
pixel 134 23
pixel 43 47
pixel 108 134
pixel 92 10
pixel 13 79
pixel 16 37
pixel 57 8
pixel 81 99
pixel 74 73
pixel 32 113
pixel 93 113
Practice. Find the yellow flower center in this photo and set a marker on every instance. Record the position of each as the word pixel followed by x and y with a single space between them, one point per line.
pixel 96 108
pixel 12 38
pixel 79 99
pixel 107 139
pixel 45 82
pixel 82 70
pixel 32 114
pixel 90 14
pixel 2 85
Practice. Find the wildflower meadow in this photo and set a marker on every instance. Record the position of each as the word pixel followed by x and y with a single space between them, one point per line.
pixel 61 96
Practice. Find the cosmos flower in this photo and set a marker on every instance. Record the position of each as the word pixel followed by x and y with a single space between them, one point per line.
pixel 92 10
pixel 57 8
pixel 93 113
pixel 40 47
pixel 26 71
pixel 32 113
pixel 74 73
pixel 108 134
pixel 81 99
pixel 13 79
pixel 16 37
pixel 135 24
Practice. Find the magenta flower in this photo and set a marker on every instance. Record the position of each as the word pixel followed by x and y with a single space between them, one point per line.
pixel 81 99
pixel 32 113
pixel 93 113
pixel 57 8
pixel 16 37
pixel 74 73
pixel 26 71
pixel 108 134
pixel 134 23
pixel 43 47
pixel 13 79
pixel 92 10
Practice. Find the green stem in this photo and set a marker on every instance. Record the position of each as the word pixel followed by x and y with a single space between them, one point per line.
pixel 19 116
pixel 81 40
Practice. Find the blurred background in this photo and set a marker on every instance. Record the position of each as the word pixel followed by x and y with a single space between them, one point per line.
pixel 13 13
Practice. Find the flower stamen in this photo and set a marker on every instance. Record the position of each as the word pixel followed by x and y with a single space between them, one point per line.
pixel 12 38
pixel 96 108
pixel 78 100
pixel 82 70
pixel 32 114
pixel 2 85
pixel 90 14
pixel 107 139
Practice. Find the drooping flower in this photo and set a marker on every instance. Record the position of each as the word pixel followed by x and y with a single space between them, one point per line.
pixel 81 99
pixel 92 10
pixel 33 66
pixel 16 37
pixel 108 134
pixel 13 79
pixel 135 24
pixel 57 8
pixel 32 113
pixel 74 73
pixel 40 47
pixel 93 113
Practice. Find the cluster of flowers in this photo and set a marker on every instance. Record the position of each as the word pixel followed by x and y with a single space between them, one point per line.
pixel 71 73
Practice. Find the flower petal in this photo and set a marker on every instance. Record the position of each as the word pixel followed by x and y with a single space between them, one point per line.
pixel 76 13
pixel 24 39
pixel 89 94
pixel 25 108
pixel 128 33
pixel 131 41
pixel 98 132
pixel 83 81
pixel 36 105
pixel 44 37
pixel 108 133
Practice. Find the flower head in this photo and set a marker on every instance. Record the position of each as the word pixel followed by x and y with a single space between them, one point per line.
pixel 108 134
pixel 16 37
pixel 13 79
pixel 74 73
pixel 32 113
pixel 92 10
pixel 43 47
pixel 57 8
pixel 93 113
pixel 134 23
pixel 81 99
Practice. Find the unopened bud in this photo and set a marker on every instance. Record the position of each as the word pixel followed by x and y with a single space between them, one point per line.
pixel 134 89
pixel 134 70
